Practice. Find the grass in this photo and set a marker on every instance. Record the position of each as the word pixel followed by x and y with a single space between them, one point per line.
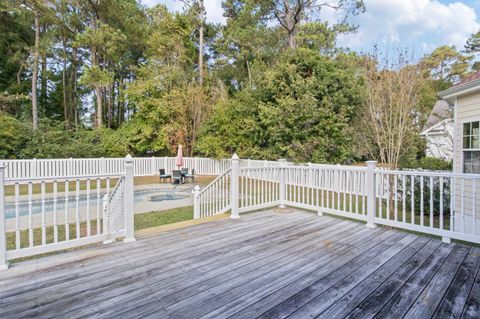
pixel 140 180
pixel 165 217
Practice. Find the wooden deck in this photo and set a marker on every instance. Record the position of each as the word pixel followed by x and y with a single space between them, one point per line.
pixel 270 264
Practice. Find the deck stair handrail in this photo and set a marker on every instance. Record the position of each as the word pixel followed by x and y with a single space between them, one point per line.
pixel 214 199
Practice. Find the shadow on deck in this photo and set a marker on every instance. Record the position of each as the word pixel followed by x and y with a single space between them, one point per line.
pixel 266 264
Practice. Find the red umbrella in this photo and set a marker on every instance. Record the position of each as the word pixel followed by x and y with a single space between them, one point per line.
pixel 179 159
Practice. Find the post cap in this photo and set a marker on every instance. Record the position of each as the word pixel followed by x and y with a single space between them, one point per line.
pixel 235 156
pixel 2 165
pixel 371 163
pixel 196 188
pixel 128 158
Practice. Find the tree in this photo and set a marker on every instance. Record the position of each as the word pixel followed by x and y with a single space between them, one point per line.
pixel 446 65
pixel 300 109
pixel 390 116
pixel 198 7
pixel 473 43
pixel 291 14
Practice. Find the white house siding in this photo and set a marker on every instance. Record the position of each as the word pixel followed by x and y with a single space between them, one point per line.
pixel 467 109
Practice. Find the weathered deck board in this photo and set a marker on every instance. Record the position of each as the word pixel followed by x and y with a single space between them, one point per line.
pixel 267 264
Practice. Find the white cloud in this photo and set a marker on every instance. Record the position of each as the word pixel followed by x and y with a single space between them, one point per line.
pixel 421 24
pixel 212 7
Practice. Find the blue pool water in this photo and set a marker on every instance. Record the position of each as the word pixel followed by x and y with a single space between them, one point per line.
pixel 154 195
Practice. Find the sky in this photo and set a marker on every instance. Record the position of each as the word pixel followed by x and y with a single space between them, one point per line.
pixel 420 25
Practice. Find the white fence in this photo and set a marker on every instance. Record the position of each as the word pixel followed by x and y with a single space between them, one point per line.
pixel 143 166
pixel 56 213
pixel 441 204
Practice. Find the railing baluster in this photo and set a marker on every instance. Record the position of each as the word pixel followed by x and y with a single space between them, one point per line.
pixel 67 225
pixel 380 195
pixel 412 199
pixel 395 196
pixel 474 206
pixel 30 217
pixel 17 216
pixel 99 231
pixel 88 207
pixel 453 188
pixel 441 203
pixel 44 224
pixel 387 199
pixel 421 201
pixel 55 222
pixel 431 201
pixel 404 199
pixel 77 208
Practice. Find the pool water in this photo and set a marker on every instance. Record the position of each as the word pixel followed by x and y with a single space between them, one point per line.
pixel 151 194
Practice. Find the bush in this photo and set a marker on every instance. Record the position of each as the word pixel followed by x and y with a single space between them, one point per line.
pixel 436 164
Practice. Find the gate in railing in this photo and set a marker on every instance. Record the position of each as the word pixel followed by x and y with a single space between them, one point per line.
pixel 41 215
pixel 441 204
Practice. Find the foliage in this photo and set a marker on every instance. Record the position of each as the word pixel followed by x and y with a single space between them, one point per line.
pixel 51 140
pixel 300 110
pixel 473 43
pixel 116 77
pixel 13 136
pixel 431 163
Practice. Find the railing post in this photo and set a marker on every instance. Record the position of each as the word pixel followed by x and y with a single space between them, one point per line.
pixel 234 186
pixel 3 234
pixel 196 202
pixel 371 196
pixel 129 200
pixel 154 167
pixel 106 220
pixel 282 164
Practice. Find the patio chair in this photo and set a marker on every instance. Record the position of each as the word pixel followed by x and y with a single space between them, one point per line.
pixel 177 177
pixel 184 171
pixel 164 176
pixel 191 176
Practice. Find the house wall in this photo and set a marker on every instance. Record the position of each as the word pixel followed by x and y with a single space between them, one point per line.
pixel 467 109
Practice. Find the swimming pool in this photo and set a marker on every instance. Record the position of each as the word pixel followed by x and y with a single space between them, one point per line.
pixel 140 195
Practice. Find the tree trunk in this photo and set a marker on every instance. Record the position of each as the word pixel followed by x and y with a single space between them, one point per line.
pixel 249 72
pixel 110 90
pixel 43 92
pixel 64 83
pixel 292 44
pixel 98 94
pixel 35 73
pixel 98 91
pixel 74 87
pixel 200 44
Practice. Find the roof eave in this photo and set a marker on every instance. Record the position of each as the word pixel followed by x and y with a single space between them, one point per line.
pixel 453 92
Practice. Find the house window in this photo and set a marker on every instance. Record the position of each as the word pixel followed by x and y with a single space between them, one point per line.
pixel 471 148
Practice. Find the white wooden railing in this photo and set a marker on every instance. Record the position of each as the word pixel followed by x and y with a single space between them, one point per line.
pixel 213 199
pixel 55 213
pixel 436 203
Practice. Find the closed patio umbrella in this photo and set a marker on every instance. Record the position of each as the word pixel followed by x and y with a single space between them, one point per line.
pixel 179 159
